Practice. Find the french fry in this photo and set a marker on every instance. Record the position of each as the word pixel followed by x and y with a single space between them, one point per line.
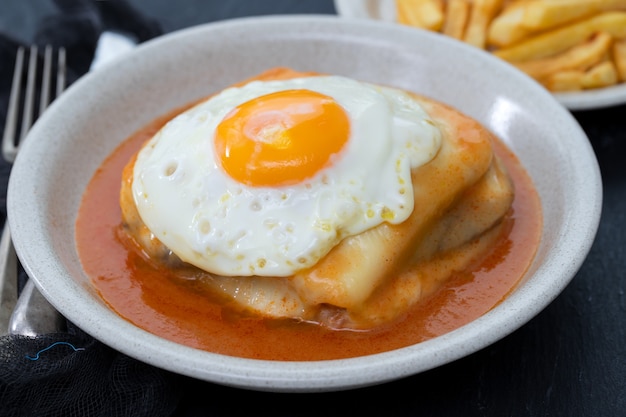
pixel 559 40
pixel 564 81
pixel 602 75
pixel 456 16
pixel 563 44
pixel 481 15
pixel 619 57
pixel 426 14
pixel 507 28
pixel 541 14
pixel 581 56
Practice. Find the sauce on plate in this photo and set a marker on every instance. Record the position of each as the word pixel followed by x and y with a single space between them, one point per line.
pixel 182 310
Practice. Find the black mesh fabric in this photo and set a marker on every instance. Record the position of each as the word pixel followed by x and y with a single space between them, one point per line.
pixel 70 373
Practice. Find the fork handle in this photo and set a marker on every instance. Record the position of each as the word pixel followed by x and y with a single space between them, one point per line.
pixel 8 278
pixel 34 315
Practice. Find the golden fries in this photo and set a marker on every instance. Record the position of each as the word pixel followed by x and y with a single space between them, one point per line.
pixel 425 14
pixel 548 14
pixel 619 57
pixel 564 44
pixel 483 12
pixel 456 16
pixel 580 57
pixel 563 38
pixel 507 28
pixel 600 75
pixel 564 81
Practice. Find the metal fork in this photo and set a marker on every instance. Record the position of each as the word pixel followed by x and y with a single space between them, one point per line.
pixel 31 313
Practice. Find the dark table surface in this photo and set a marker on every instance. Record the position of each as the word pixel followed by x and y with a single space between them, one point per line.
pixel 570 360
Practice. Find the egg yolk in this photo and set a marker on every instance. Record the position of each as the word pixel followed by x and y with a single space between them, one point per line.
pixel 281 138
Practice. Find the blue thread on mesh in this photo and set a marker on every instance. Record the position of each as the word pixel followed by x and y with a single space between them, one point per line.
pixel 36 357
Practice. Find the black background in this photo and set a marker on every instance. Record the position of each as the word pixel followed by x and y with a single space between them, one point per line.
pixel 570 360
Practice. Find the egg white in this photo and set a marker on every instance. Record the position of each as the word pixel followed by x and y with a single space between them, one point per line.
pixel 224 227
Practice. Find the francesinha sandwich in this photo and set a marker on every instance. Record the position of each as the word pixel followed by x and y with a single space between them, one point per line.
pixel 317 198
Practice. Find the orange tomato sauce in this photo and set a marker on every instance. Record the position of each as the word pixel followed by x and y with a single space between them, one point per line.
pixel 183 312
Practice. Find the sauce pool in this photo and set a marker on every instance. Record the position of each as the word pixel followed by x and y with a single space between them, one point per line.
pixel 182 312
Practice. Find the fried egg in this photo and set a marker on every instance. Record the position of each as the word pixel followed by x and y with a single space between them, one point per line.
pixel 266 178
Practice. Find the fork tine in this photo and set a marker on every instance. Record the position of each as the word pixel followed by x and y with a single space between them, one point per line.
pixel 44 98
pixel 9 143
pixel 61 71
pixel 8 139
pixel 27 118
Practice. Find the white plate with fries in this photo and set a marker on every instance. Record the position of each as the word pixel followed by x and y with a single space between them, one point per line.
pixel 574 48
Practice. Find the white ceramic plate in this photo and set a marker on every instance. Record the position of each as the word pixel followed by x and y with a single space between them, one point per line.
pixel 385 10
pixel 88 121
